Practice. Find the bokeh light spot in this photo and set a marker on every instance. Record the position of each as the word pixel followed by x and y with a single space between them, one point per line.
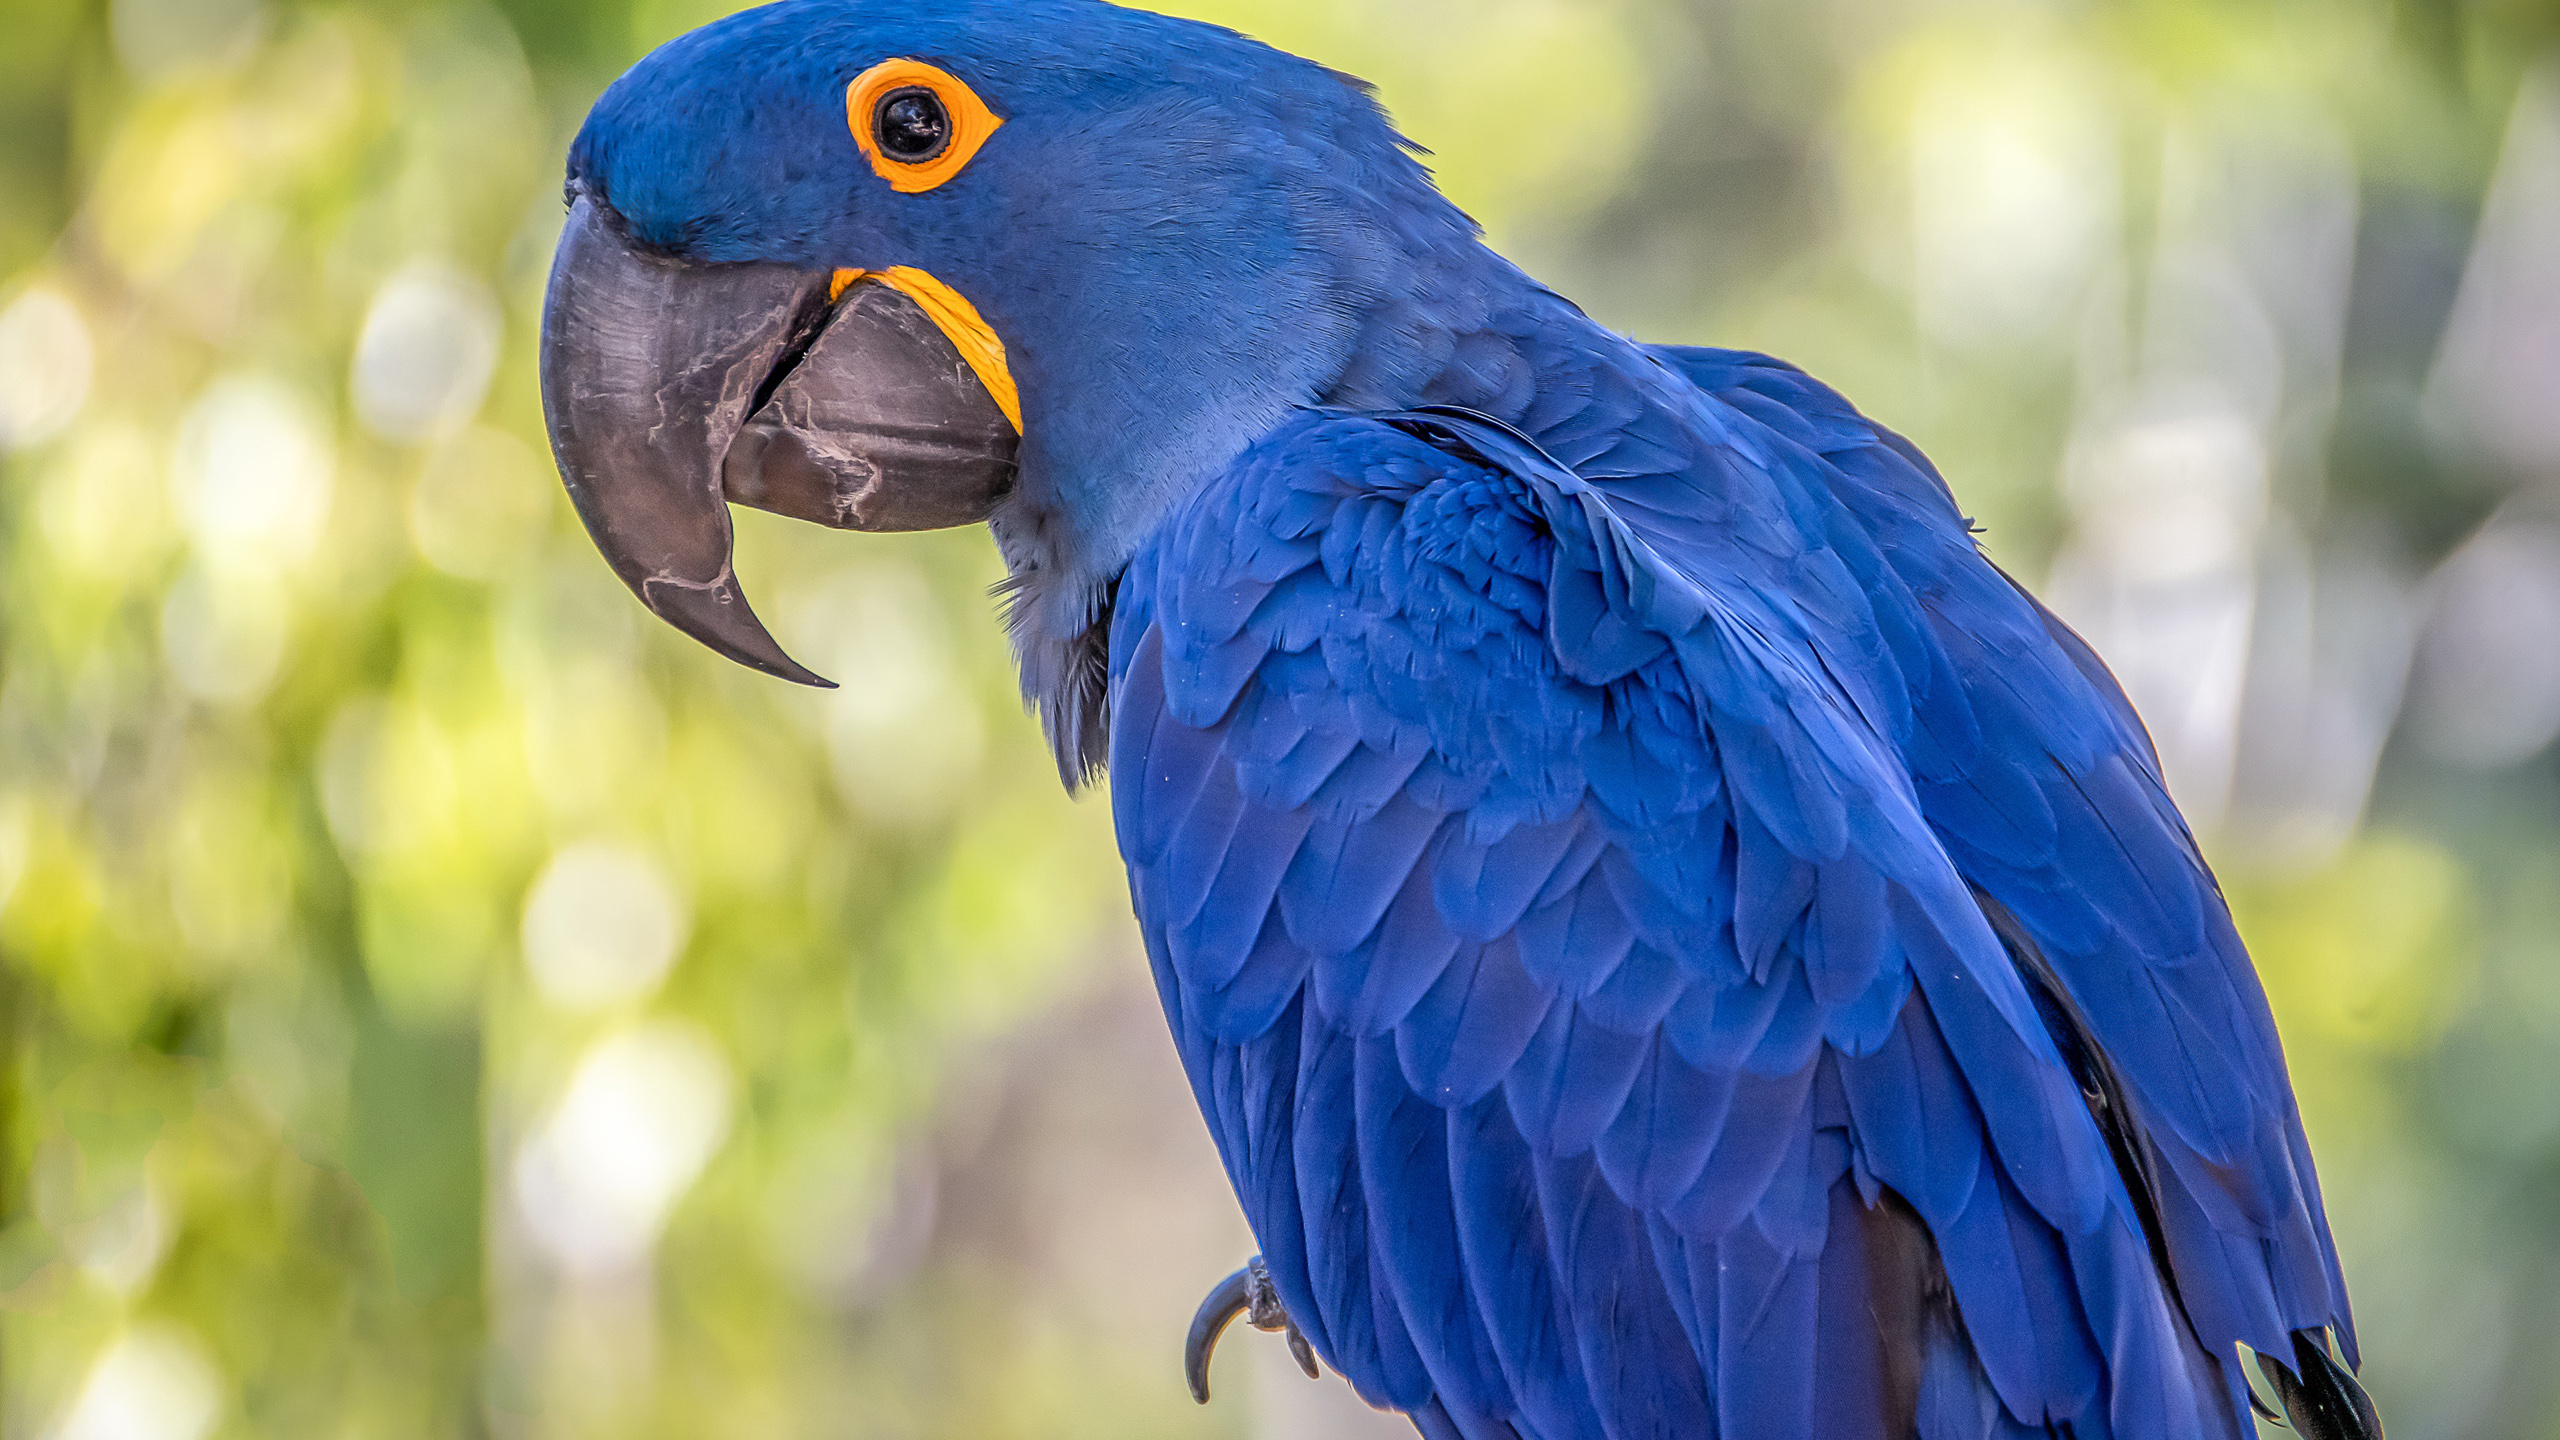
pixel 46 364
pixel 2014 184
pixel 254 473
pixel 151 1384
pixel 602 928
pixel 429 347
pixel 642 1116
pixel 224 638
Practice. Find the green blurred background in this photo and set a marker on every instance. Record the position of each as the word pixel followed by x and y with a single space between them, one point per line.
pixel 434 1002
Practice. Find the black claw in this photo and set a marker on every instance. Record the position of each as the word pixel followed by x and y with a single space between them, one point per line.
pixel 1305 1354
pixel 1249 1295
pixel 1233 1297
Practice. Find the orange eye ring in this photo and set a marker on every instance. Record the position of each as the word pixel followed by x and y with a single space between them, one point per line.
pixel 927 113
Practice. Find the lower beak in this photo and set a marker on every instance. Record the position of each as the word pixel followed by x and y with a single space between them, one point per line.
pixel 674 388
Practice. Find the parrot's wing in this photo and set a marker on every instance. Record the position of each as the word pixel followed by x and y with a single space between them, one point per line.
pixel 1600 1038
pixel 2034 769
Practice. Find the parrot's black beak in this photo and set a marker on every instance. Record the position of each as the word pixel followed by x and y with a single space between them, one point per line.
pixel 674 388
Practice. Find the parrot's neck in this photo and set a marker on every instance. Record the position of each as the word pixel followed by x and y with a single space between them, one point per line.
pixel 1427 314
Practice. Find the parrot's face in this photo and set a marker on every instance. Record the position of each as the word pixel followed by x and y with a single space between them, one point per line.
pixel 889 265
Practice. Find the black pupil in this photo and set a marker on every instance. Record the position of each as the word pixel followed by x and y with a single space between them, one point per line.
pixel 913 125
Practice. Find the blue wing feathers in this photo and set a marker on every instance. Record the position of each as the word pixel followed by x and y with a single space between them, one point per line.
pixel 1403 1148
pixel 1759 1125
pixel 1769 1298
pixel 1632 1344
pixel 1502 1238
pixel 1470 1029
pixel 1572 1080
pixel 1265 986
pixel 1370 988
pixel 1332 1213
pixel 1914 1117
pixel 1724 1026
pixel 1484 891
pixel 1575 941
pixel 1343 878
pixel 1558 859
pixel 1665 1130
pixel 1638 994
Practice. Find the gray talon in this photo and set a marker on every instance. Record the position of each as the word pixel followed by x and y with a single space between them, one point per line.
pixel 1249 1295
pixel 1305 1353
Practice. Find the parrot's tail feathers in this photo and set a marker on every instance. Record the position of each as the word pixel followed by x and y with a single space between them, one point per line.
pixel 2321 1398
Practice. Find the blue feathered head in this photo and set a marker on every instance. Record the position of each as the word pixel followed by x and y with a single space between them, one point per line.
pixel 1045 263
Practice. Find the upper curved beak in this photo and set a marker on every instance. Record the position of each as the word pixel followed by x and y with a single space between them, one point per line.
pixel 674 388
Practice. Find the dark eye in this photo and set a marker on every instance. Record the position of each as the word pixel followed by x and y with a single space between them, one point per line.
pixel 911 125
pixel 917 125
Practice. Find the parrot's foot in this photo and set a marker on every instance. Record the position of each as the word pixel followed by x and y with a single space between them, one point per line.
pixel 1247 1293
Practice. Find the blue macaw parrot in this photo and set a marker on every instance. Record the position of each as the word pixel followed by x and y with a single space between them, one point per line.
pixel 1670 941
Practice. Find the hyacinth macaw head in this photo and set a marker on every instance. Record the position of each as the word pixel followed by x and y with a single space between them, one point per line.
pixel 894 265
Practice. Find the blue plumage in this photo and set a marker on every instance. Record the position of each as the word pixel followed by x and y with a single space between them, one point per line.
pixel 1670 941
pixel 1703 950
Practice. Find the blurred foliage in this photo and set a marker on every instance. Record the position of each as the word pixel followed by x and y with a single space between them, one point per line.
pixel 433 1002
